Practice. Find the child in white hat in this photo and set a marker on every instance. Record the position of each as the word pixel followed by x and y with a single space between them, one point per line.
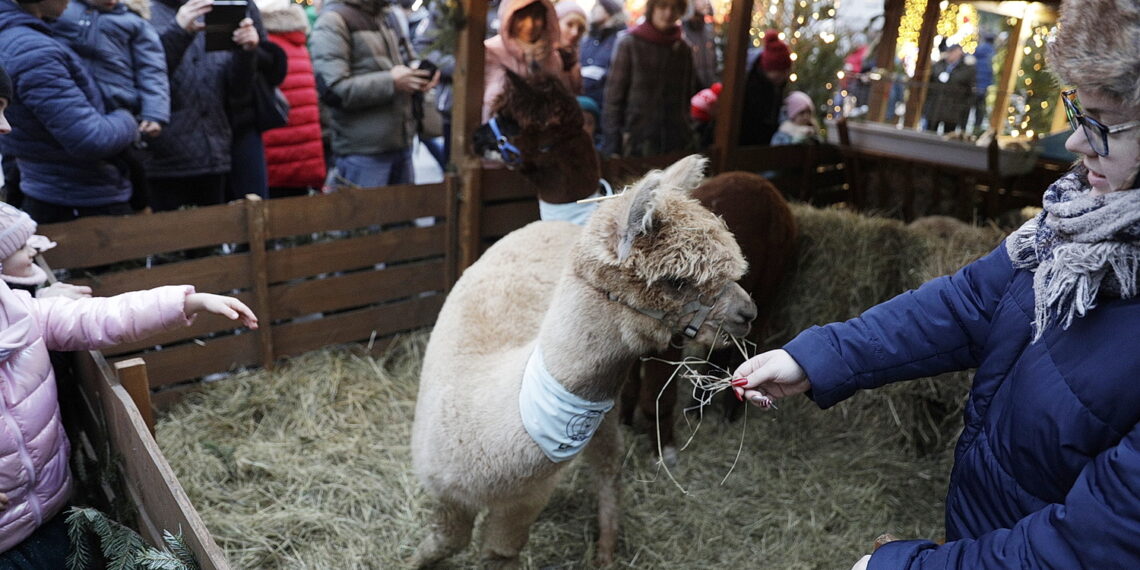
pixel 37 489
pixel 19 247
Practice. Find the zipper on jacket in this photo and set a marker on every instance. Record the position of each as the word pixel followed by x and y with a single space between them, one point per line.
pixel 25 458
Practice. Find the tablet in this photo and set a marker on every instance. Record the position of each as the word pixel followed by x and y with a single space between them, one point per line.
pixel 221 21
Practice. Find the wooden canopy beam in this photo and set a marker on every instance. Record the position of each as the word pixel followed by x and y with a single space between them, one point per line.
pixel 730 104
pixel 467 115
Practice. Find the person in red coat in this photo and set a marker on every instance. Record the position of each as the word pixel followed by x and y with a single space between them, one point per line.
pixel 294 153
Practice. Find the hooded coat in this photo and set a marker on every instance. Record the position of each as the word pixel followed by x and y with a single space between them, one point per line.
pixel 34 449
pixel 502 52
pixel 124 55
pixel 647 98
pixel 62 139
pixel 294 153
pixel 368 115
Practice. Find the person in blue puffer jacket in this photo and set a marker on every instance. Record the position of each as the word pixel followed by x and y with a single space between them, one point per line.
pixel 62 139
pixel 1047 468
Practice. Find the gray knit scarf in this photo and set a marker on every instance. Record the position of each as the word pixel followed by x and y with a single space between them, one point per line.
pixel 1074 245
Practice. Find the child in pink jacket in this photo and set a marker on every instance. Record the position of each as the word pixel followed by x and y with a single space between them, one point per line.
pixel 35 482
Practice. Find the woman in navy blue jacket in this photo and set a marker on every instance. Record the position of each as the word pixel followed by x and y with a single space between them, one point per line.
pixel 1047 469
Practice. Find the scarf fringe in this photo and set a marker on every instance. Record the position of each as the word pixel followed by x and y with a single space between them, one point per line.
pixel 1066 287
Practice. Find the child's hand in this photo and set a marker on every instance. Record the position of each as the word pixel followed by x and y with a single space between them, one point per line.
pixel 150 128
pixel 220 305
pixel 61 289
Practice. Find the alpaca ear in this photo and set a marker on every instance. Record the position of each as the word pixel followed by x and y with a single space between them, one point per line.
pixel 518 83
pixel 683 175
pixel 640 219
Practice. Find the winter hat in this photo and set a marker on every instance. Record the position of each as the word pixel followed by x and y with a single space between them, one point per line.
pixel 570 7
pixel 5 85
pixel 776 55
pixel 1097 46
pixel 16 227
pixel 796 102
pixel 703 104
pixel 610 6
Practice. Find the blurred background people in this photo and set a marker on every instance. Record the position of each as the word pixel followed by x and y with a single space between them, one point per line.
pixel 950 94
pixel 768 73
pixel 651 80
pixel 607 25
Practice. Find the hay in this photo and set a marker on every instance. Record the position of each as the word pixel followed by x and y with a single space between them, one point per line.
pixel 308 466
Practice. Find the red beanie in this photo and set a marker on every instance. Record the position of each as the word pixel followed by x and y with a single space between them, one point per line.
pixel 776 55
pixel 703 104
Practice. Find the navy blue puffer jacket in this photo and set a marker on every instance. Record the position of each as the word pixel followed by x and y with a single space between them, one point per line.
pixel 1047 470
pixel 63 141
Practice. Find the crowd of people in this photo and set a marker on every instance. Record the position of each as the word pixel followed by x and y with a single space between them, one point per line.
pixel 125 105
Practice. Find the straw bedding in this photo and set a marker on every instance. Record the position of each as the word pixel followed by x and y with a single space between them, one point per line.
pixel 308 466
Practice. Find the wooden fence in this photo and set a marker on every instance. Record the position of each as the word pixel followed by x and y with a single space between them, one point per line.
pixel 318 270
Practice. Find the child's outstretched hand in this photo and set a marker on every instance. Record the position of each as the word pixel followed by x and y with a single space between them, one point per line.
pixel 220 305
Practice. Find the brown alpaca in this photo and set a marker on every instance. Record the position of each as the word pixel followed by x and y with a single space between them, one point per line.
pixel 543 121
pixel 578 305
pixel 760 219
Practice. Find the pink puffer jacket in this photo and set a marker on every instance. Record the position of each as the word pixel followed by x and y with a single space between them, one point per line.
pixel 502 53
pixel 34 450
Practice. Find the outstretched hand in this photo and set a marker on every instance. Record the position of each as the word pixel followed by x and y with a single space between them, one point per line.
pixel 768 376
pixel 228 307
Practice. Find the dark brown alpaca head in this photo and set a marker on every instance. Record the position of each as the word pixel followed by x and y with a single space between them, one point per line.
pixel 541 135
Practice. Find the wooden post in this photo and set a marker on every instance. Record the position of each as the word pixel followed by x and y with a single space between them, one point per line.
pixel 467 115
pixel 1008 74
pixel 256 212
pixel 730 104
pixel 132 375
pixel 885 60
pixel 917 92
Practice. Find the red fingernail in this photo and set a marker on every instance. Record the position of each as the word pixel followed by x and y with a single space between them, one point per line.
pixel 740 382
pixel 738 396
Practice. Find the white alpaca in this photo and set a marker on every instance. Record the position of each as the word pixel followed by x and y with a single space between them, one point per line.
pixel 576 306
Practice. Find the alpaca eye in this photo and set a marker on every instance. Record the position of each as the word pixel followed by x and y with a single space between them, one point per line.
pixel 676 283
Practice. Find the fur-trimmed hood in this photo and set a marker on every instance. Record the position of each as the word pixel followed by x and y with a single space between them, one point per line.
pixel 1097 46
pixel 280 16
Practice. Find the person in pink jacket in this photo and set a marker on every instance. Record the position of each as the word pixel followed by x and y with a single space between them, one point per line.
pixel 528 36
pixel 35 482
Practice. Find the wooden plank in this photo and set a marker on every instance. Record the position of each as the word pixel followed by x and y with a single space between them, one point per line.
pixel 916 95
pixel 503 184
pixel 761 158
pixel 396 245
pixel 501 219
pixel 356 289
pixel 191 360
pixel 885 59
pixel 466 116
pixel 101 240
pixel 204 326
pixel 353 208
pixel 297 338
pixel 159 494
pixel 132 375
pixel 213 274
pixel 731 101
pixel 256 212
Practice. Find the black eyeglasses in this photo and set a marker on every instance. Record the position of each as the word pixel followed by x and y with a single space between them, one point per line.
pixel 1095 131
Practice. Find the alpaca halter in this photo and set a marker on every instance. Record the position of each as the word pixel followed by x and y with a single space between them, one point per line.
pixel 696 307
pixel 560 422
pixel 510 153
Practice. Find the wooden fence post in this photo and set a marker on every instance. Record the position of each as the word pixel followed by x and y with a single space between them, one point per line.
pixel 467 115
pixel 256 213
pixel 132 375
pixel 731 103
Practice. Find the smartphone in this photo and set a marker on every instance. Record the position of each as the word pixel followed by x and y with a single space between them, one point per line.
pixel 221 21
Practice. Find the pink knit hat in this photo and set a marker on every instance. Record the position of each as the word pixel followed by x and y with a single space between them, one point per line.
pixel 17 229
pixel 568 7
pixel 796 102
